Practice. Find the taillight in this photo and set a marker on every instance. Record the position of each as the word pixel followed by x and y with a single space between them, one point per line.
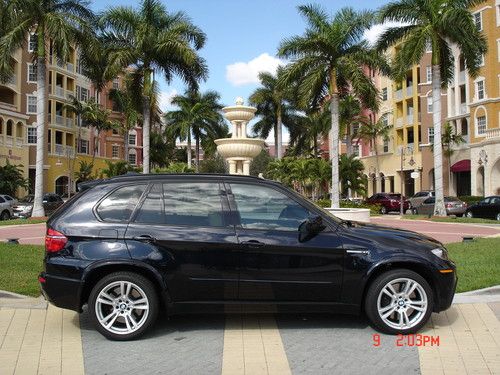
pixel 449 205
pixel 54 241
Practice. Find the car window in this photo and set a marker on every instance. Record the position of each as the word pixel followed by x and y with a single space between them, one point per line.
pixel 262 207
pixel 430 200
pixel 119 205
pixel 485 201
pixel 183 203
pixel 2 200
pixel 7 197
pixel 495 200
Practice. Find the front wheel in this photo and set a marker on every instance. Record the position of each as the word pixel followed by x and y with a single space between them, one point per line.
pixel 383 210
pixel 5 215
pixel 399 301
pixel 123 305
pixel 498 217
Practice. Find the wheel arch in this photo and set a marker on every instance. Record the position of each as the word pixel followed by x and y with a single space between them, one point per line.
pixel 413 265
pixel 97 272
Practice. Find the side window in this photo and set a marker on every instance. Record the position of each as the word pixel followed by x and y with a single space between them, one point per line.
pixel 429 201
pixel 119 205
pixel 2 200
pixel 261 207
pixel 183 203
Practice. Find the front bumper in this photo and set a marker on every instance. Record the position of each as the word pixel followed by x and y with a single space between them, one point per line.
pixel 61 291
pixel 446 286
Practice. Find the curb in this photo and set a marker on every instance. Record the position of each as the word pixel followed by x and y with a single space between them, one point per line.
pixel 9 300
pixel 485 295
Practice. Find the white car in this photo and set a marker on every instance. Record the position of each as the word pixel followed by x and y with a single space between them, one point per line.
pixel 6 202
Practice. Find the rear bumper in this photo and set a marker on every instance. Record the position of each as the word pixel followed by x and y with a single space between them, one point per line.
pixel 62 292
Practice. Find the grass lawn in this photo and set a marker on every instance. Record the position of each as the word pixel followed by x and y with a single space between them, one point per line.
pixel 21 221
pixel 465 220
pixel 477 265
pixel 19 268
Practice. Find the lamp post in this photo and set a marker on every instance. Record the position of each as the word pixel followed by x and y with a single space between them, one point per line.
pixel 403 151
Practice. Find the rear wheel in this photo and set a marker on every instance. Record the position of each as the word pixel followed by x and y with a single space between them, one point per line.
pixel 123 305
pixel 399 301
pixel 5 215
pixel 383 210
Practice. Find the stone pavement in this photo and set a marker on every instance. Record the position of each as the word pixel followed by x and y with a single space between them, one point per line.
pixel 54 341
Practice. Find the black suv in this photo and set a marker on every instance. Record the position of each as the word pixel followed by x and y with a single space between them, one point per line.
pixel 132 245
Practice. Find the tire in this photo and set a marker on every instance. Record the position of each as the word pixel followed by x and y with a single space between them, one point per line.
pixel 498 217
pixel 414 211
pixel 383 210
pixel 5 215
pixel 377 302
pixel 469 214
pixel 110 301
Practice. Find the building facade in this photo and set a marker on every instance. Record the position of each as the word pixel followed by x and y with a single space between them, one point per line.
pixel 69 140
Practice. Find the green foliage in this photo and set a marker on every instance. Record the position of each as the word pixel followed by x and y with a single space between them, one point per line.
pixel 84 172
pixel 260 163
pixel 470 199
pixel 213 164
pixel 117 168
pixel 163 150
pixel 11 179
pixel 175 168
pixel 351 174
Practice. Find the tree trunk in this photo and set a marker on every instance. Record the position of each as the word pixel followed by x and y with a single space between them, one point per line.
pixel 315 146
pixel 188 150
pixel 439 208
pixel 275 141
pixel 334 141
pixel 41 103
pixel 279 137
pixel 197 154
pixel 146 122
pixel 125 145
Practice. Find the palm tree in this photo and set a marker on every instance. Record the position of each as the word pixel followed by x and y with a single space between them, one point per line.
pixel 351 173
pixel 329 60
pixel 198 115
pixel 371 132
pixel 306 131
pixel 58 23
pixel 152 40
pixel 350 116
pixel 440 24
pixel 273 107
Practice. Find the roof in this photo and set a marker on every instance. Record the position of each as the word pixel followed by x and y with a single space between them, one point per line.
pixel 158 176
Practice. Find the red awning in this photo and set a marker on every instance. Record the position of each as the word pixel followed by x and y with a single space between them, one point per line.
pixel 461 166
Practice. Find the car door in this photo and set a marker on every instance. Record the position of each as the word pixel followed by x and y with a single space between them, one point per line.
pixel 482 209
pixel 427 207
pixel 274 265
pixel 181 228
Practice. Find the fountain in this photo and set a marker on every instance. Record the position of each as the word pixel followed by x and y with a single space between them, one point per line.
pixel 239 150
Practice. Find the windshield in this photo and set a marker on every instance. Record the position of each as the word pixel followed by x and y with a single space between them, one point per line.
pixel 394 196
pixel 27 199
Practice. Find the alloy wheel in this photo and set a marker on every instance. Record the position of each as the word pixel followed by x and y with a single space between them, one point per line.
pixel 469 214
pixel 122 307
pixel 498 216
pixel 402 303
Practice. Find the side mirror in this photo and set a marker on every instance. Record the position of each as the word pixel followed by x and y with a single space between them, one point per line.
pixel 310 228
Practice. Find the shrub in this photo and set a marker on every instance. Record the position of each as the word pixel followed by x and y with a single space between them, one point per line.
pixel 470 199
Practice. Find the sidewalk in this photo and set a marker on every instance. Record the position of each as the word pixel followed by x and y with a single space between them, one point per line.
pixel 36 339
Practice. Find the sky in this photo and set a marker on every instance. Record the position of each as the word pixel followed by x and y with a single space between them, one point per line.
pixel 242 39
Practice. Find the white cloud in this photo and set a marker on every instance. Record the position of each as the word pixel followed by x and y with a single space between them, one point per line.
pixel 244 73
pixel 373 33
pixel 165 99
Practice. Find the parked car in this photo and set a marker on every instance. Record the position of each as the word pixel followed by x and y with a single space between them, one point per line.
pixel 453 205
pixel 132 245
pixel 417 199
pixel 488 208
pixel 388 202
pixel 24 207
pixel 5 208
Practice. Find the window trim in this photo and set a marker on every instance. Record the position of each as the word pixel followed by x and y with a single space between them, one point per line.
pixel 28 104
pixel 28 135
pixel 30 65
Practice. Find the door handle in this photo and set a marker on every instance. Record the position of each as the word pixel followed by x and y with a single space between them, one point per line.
pixel 145 238
pixel 253 244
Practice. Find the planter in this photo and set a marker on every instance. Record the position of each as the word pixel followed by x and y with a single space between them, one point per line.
pixel 353 214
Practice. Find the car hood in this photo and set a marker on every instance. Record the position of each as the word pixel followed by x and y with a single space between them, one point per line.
pixel 389 237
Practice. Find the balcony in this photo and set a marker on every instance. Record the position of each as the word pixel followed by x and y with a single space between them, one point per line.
pixel 399 122
pixel 8 106
pixel 492 133
pixel 70 67
pixel 59 91
pixel 398 95
pixel 19 142
pixel 70 122
pixel 9 141
pixel 409 119
pixel 409 91
pixel 63 150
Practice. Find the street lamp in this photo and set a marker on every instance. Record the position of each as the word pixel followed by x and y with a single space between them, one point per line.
pixel 403 151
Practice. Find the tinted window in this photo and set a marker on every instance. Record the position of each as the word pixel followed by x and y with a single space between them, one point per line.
pixel 430 201
pixel 183 203
pixel 495 200
pixel 2 200
pixel 120 204
pixel 7 197
pixel 262 207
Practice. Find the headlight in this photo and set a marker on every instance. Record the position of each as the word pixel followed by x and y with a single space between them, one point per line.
pixel 440 253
